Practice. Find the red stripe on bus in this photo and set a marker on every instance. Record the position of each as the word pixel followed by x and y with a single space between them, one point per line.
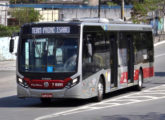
pixel 124 78
pixel 148 72
pixel 136 75
pixel 47 84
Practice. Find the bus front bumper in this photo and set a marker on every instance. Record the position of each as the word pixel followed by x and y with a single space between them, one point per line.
pixel 59 93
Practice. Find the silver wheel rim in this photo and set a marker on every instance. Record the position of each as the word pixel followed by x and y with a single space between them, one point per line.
pixel 100 89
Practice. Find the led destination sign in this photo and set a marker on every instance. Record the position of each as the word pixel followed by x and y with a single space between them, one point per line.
pixel 50 30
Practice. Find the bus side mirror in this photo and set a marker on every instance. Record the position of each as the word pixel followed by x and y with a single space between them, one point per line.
pixel 11 46
pixel 89 47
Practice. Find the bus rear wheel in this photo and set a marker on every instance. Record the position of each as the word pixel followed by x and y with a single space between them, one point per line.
pixel 140 81
pixel 45 101
pixel 100 91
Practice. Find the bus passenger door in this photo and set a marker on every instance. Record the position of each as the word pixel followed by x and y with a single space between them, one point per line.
pixel 113 60
pixel 130 59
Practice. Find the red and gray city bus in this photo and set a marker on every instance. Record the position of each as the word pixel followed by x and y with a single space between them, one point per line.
pixel 82 58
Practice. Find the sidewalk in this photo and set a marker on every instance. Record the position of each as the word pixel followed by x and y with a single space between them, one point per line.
pixel 7 65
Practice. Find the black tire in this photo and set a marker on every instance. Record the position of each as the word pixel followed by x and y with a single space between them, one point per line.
pixel 45 101
pixel 100 91
pixel 140 81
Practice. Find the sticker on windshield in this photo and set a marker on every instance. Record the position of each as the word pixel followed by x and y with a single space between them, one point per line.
pixel 49 69
pixel 59 56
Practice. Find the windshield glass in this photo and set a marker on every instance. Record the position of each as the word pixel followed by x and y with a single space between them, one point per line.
pixel 49 54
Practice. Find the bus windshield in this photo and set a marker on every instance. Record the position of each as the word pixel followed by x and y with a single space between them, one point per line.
pixel 49 54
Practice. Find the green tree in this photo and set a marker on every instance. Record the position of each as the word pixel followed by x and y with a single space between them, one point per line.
pixel 25 15
pixel 8 30
pixel 19 1
pixel 141 9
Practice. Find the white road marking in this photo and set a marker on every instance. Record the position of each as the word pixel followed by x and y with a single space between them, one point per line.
pixel 131 98
pixel 151 97
pixel 153 93
pixel 159 43
pixel 124 100
pixel 7 68
pixel 161 55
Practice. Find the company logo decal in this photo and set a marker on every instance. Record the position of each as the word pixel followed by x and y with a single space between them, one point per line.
pixel 46 84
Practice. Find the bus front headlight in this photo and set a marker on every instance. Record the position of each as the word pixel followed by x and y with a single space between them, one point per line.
pixel 22 82
pixel 72 82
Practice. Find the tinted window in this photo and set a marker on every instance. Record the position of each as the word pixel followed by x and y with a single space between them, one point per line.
pixel 49 54
pixel 143 42
pixel 95 37
pixel 122 51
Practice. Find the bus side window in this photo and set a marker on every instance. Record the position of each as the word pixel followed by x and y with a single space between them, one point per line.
pixel 87 48
pixel 122 51
pixel 87 59
pixel 94 50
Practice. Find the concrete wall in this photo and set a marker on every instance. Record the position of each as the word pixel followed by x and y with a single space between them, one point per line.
pixel 48 15
pixel 93 2
pixel 4 49
pixel 105 13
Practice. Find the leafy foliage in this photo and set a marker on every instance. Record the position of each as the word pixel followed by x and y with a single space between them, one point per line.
pixel 118 2
pixel 7 31
pixel 111 3
pixel 25 15
pixel 140 10
pixel 26 1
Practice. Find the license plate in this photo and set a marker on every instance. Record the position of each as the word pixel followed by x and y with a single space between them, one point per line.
pixel 46 95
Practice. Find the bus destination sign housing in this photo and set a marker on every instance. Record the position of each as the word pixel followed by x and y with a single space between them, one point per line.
pixel 43 29
pixel 50 30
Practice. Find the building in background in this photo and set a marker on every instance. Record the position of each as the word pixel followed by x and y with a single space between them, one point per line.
pixel 4 12
pixel 48 15
pixel 52 12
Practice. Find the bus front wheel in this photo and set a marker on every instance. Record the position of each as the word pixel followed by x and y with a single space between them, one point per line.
pixel 100 91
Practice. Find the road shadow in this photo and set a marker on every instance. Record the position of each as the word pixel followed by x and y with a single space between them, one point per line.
pixel 149 116
pixel 160 74
pixel 15 102
pixel 121 92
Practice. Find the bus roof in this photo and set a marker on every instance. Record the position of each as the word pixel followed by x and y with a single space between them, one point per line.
pixel 107 25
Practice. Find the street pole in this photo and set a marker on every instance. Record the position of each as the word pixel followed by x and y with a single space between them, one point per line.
pixel 99 7
pixel 122 9
pixel 157 21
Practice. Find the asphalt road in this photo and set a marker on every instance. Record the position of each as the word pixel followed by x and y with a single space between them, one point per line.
pixel 121 105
